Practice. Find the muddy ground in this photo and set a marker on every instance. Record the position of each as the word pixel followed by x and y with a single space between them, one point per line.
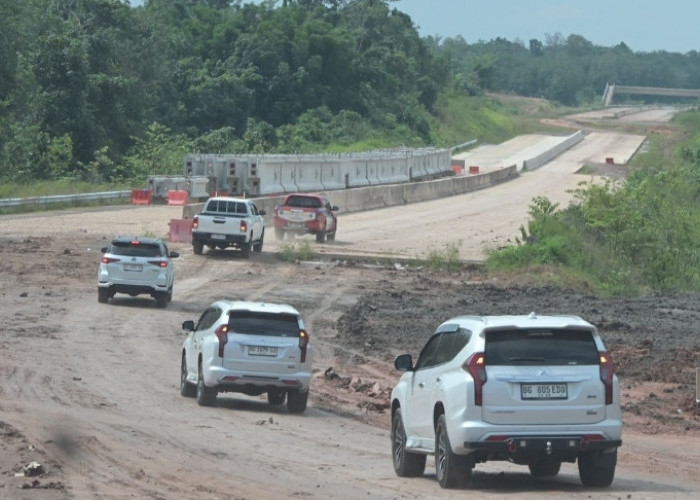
pixel 361 315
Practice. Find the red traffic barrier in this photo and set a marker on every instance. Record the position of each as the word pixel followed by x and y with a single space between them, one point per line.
pixel 457 169
pixel 474 169
pixel 141 197
pixel 610 161
pixel 180 231
pixel 177 197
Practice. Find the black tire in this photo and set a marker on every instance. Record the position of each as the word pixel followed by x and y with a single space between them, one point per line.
pixel 276 397
pixel 186 389
pixel 259 244
pixel 197 247
pixel 296 401
pixel 449 474
pixel 330 236
pixel 206 396
pixel 170 294
pixel 546 467
pixel 102 295
pixel 406 464
pixel 279 234
pixel 597 469
pixel 245 250
pixel 321 235
pixel 162 299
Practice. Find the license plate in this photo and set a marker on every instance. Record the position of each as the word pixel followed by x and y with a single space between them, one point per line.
pixel 133 267
pixel 218 236
pixel 262 350
pixel 543 391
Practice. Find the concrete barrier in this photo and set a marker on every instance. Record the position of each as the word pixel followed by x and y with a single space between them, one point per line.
pixel 550 154
pixel 372 197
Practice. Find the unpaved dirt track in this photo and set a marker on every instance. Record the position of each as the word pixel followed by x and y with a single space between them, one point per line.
pixel 90 391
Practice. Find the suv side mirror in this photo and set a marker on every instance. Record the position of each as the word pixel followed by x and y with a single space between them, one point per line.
pixel 172 255
pixel 334 208
pixel 188 325
pixel 262 212
pixel 404 363
pixel 104 249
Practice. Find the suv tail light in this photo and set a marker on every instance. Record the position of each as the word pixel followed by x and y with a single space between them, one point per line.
pixel 244 226
pixel 607 370
pixel 107 260
pixel 222 335
pixel 159 263
pixel 195 222
pixel 476 367
pixel 303 344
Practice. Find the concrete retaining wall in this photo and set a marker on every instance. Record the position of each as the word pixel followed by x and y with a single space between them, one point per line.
pixel 550 154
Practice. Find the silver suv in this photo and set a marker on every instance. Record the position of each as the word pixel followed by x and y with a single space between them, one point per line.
pixel 532 390
pixel 136 265
pixel 247 347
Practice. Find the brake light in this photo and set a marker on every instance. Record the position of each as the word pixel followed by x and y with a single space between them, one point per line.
pixel 195 222
pixel 107 260
pixel 476 367
pixel 303 344
pixel 222 335
pixel 244 226
pixel 135 242
pixel 607 370
pixel 159 263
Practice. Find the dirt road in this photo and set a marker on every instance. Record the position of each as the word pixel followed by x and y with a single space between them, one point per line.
pixel 89 391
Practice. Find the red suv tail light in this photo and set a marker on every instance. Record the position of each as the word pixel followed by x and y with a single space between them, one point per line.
pixel 222 335
pixel 303 344
pixel 476 367
pixel 107 260
pixel 195 222
pixel 244 226
pixel 607 370
pixel 159 263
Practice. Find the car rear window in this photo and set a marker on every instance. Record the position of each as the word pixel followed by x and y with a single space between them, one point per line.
pixel 130 249
pixel 303 201
pixel 226 207
pixel 540 346
pixel 258 323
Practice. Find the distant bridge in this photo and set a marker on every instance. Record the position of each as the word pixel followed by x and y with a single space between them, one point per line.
pixel 611 89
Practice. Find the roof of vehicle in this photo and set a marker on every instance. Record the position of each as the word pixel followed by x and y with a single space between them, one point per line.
pixel 532 320
pixel 229 198
pixel 141 239
pixel 307 195
pixel 268 307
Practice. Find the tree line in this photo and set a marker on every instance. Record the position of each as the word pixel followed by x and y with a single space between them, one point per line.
pixel 99 91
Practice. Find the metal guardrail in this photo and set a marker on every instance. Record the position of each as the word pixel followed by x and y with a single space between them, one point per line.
pixel 64 198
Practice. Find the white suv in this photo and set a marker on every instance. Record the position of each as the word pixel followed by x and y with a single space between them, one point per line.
pixel 247 347
pixel 532 390
pixel 136 265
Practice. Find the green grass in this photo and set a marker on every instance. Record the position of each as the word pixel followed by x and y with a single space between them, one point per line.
pixel 294 251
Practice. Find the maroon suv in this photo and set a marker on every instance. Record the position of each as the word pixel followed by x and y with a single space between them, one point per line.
pixel 302 213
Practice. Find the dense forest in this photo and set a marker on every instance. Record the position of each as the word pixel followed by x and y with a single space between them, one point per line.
pixel 100 91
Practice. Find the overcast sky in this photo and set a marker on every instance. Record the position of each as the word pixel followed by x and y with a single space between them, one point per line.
pixel 644 25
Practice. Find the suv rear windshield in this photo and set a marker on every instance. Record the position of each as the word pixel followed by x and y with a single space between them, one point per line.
pixel 135 250
pixel 540 346
pixel 303 201
pixel 259 323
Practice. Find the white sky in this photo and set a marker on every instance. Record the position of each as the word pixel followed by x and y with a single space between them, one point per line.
pixel 643 25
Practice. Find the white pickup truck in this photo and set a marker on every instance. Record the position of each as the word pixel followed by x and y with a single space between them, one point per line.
pixel 229 222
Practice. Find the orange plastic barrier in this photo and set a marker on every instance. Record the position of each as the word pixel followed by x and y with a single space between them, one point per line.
pixel 141 197
pixel 457 169
pixel 180 231
pixel 610 161
pixel 177 197
pixel 474 170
